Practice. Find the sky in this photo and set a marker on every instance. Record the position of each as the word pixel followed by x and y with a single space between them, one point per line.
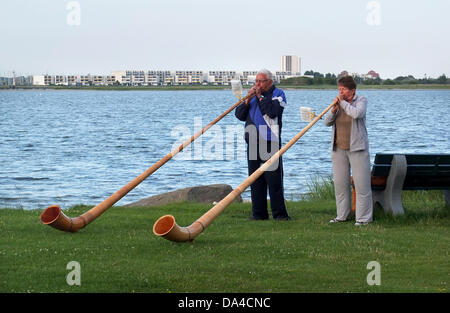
pixel 391 37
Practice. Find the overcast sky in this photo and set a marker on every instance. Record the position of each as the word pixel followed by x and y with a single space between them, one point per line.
pixel 392 37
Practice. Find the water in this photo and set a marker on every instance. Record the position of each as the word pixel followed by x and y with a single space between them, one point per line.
pixel 71 147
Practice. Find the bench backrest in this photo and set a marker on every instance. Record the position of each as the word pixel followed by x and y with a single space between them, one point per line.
pixel 424 171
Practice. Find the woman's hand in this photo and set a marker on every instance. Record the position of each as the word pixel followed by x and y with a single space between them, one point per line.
pixel 335 107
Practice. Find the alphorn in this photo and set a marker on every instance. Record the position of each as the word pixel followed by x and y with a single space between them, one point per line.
pixel 54 216
pixel 166 226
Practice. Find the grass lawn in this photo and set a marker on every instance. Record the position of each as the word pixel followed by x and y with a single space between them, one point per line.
pixel 119 253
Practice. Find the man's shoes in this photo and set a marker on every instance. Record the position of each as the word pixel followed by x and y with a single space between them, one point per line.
pixel 361 223
pixel 252 218
pixel 287 218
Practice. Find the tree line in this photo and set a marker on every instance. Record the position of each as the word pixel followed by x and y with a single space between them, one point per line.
pixel 316 78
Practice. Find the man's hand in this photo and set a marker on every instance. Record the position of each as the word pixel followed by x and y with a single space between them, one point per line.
pixel 254 91
pixel 251 93
pixel 258 92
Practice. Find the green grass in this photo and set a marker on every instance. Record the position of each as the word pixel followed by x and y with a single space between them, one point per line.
pixel 119 253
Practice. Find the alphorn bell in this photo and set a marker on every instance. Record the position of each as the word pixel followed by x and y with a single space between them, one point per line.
pixel 166 226
pixel 54 216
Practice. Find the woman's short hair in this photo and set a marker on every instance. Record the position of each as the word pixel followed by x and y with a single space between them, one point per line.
pixel 347 81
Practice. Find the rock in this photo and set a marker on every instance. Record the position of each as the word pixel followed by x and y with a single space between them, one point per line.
pixel 204 194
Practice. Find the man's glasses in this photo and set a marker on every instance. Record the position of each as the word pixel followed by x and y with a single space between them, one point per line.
pixel 261 80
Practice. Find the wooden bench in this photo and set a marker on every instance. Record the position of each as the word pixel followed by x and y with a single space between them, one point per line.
pixel 392 173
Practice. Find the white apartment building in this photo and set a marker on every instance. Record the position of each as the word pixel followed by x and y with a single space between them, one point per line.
pixel 126 80
pixel 49 80
pixel 137 78
pixel 72 80
pixel 155 78
pixel 38 80
pixel 169 80
pixel 248 77
pixel 118 75
pixel 188 77
pixel 279 76
pixel 110 79
pixel 61 80
pixel 85 80
pixel 98 80
pixel 128 77
pixel 291 64
pixel 195 77
pixel 221 77
pixel 181 78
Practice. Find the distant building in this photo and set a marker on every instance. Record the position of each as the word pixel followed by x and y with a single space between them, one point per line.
pixel 343 73
pixel 188 77
pixel 49 80
pixel 279 76
pixel 370 75
pixel 6 81
pixel 248 77
pixel 155 78
pixel 85 80
pixel 195 77
pixel 291 64
pixel 118 75
pixel 38 80
pixel 110 79
pixel 373 75
pixel 126 80
pixel 98 80
pixel 72 80
pixel 61 80
pixel 221 77
pixel 169 80
pixel 136 78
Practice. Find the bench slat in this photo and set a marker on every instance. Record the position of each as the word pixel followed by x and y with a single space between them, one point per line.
pixel 414 170
pixel 427 158
pixel 427 170
pixel 426 182
pixel 386 158
pixel 424 171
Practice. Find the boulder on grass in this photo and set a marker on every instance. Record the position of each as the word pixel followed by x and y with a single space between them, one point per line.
pixel 204 194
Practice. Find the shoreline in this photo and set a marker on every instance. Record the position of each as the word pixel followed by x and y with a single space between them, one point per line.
pixel 197 87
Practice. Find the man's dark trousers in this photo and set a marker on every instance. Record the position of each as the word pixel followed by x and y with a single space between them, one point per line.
pixel 271 179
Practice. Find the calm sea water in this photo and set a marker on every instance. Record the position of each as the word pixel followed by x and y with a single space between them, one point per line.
pixel 71 147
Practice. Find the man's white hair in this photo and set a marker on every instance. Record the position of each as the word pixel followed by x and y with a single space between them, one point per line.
pixel 267 73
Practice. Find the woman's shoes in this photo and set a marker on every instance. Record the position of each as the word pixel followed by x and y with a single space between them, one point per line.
pixel 335 220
